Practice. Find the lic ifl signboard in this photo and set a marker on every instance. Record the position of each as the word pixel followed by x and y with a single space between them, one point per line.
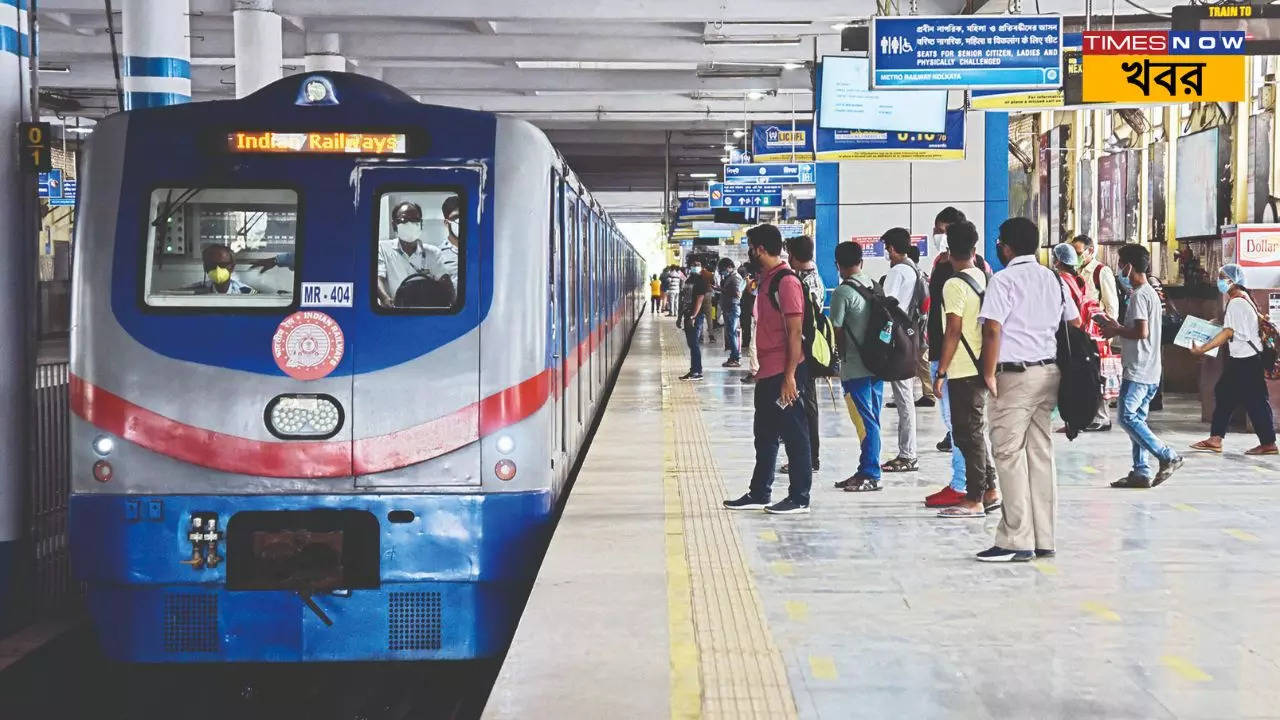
pixel 1163 66
pixel 1256 249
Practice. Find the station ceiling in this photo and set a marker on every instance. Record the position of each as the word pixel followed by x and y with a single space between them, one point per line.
pixel 607 79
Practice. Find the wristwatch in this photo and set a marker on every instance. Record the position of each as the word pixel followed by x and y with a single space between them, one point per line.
pixel 942 375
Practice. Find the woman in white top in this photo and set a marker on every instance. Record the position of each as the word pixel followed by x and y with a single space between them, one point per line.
pixel 1242 381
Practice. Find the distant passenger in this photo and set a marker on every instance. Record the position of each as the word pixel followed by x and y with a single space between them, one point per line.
pixel 959 371
pixel 1100 286
pixel 675 281
pixel 730 296
pixel 1021 312
pixel 1243 381
pixel 219 263
pixel 747 312
pixel 800 257
pixel 405 254
pixel 779 411
pixel 863 391
pixel 1139 335
pixel 693 315
pixel 906 284
pixel 451 211
pixel 655 294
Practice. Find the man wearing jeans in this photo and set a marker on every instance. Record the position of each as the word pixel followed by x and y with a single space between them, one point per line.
pixel 1140 350
pixel 863 391
pixel 694 319
pixel 779 411
pixel 730 296
pixel 1021 311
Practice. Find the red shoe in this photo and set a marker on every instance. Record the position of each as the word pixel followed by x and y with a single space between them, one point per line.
pixel 946 497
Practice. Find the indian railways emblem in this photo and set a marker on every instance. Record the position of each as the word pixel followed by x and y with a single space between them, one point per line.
pixel 308 345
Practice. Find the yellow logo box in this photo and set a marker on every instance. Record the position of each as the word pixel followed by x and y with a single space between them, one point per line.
pixel 1163 78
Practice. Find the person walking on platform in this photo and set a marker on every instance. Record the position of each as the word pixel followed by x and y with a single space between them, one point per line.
pixel 800 257
pixel 958 371
pixel 730 296
pixel 1021 312
pixel 1140 352
pixel 1243 380
pixel 905 284
pixel 655 294
pixel 779 411
pixel 694 318
pixel 1100 287
pixel 863 391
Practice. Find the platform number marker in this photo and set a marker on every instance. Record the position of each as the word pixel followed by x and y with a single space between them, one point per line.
pixel 34 137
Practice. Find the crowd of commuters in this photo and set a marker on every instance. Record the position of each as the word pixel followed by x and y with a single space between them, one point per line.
pixel 991 360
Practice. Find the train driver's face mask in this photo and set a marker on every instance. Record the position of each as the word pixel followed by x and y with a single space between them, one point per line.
pixel 408 232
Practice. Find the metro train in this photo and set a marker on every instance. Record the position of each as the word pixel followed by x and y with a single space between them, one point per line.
pixel 273 461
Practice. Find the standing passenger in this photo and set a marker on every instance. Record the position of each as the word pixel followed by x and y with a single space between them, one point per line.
pixel 863 391
pixel 655 294
pixel 751 272
pixel 730 297
pixel 778 411
pixel 800 254
pixel 1140 351
pixel 1023 307
pixel 674 282
pixel 1243 381
pixel 1100 287
pixel 694 319
pixel 905 284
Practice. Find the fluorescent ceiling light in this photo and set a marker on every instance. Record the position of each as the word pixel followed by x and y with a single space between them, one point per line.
pixel 728 147
pixel 81 130
pixel 55 68
pixel 841 26
pixel 604 65
pixel 751 42
pixel 702 175
pixel 724 159
pixel 755 95
pixel 739 133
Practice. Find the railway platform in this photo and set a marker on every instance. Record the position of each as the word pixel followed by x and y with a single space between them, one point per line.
pixel 654 602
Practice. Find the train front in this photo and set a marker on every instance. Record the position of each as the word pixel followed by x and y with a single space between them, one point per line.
pixel 283 448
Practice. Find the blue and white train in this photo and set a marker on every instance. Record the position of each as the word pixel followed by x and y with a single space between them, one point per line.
pixel 273 463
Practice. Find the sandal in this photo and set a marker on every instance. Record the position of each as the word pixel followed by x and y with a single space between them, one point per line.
pixel 992 507
pixel 901 464
pixel 1263 450
pixel 1207 446
pixel 862 484
pixel 961 512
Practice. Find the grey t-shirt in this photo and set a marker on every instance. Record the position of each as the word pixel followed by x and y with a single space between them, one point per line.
pixel 1142 357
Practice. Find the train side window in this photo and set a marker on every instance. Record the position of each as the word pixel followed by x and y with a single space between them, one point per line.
pixel 221 247
pixel 421 248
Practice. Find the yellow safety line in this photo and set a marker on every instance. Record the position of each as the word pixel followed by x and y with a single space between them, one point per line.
pixel 1241 535
pixel 686 680
pixel 1185 507
pixel 1101 611
pixel 1185 668
pixel 823 667
pixel 739 670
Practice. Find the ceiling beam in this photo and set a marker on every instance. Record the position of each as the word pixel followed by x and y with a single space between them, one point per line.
pixel 583 48
pixel 593 81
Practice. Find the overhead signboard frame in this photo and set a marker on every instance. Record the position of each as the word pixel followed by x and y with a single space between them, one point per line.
pixel 773 173
pixel 965 52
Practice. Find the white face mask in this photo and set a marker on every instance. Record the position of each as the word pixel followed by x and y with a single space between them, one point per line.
pixel 409 231
pixel 939 243
pixel 695 269
pixel 453 227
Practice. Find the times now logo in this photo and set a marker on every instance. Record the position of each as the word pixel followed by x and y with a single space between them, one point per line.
pixel 1163 42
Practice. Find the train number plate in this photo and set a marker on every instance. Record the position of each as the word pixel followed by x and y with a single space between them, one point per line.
pixel 320 294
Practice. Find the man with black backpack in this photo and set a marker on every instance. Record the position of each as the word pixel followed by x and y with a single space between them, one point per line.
pixel 1022 311
pixel 800 258
pixel 779 411
pixel 905 284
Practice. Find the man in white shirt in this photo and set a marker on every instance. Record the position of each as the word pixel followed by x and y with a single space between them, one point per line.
pixel 451 211
pixel 905 284
pixel 405 254
pixel 1021 312
pixel 1099 286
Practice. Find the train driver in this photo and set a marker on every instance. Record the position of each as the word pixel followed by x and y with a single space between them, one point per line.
pixel 451 211
pixel 219 263
pixel 405 254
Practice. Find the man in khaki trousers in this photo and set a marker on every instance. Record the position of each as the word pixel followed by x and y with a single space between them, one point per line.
pixel 1024 305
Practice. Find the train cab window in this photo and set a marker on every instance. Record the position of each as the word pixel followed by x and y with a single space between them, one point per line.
pixel 420 245
pixel 221 247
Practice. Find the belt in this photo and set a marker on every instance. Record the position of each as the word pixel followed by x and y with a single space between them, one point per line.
pixel 1022 366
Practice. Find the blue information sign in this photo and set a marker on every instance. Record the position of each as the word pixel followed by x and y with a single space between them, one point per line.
pixel 751 195
pixel 770 173
pixel 958 52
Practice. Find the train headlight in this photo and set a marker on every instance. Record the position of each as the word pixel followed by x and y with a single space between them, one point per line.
pixel 304 416
pixel 103 445
pixel 506 444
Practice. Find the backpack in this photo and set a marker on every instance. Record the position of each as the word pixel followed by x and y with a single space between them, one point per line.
pixel 893 343
pixel 1122 298
pixel 817 337
pixel 1080 390
pixel 1270 339
pixel 973 285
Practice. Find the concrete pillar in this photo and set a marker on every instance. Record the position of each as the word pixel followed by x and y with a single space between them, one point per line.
pixel 324 53
pixel 16 250
pixel 156 67
pixel 259 45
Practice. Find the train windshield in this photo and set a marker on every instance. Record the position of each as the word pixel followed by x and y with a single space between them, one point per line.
pixel 209 247
pixel 420 245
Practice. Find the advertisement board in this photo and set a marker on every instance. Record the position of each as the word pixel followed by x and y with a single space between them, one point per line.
pixel 779 142
pixel 1257 251
pixel 881 145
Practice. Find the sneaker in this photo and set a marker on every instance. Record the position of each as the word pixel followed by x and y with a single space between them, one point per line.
pixel 787 506
pixel 746 502
pixel 946 497
pixel 731 364
pixel 1097 427
pixel 1045 553
pixel 925 402
pixel 1167 469
pixel 691 376
pixel 748 379
pixel 999 554
pixel 944 445
pixel 1133 481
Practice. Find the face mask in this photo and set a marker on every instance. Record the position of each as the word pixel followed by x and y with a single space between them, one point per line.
pixel 1083 260
pixel 939 242
pixel 695 269
pixel 409 231
pixel 1223 285
pixel 219 275
pixel 453 227
pixel 1125 283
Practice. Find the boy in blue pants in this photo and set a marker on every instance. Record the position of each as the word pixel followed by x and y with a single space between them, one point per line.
pixel 863 391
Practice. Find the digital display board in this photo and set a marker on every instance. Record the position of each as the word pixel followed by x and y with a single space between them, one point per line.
pixel 846 101
pixel 270 141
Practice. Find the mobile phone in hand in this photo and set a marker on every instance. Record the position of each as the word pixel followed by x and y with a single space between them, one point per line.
pixel 782 405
